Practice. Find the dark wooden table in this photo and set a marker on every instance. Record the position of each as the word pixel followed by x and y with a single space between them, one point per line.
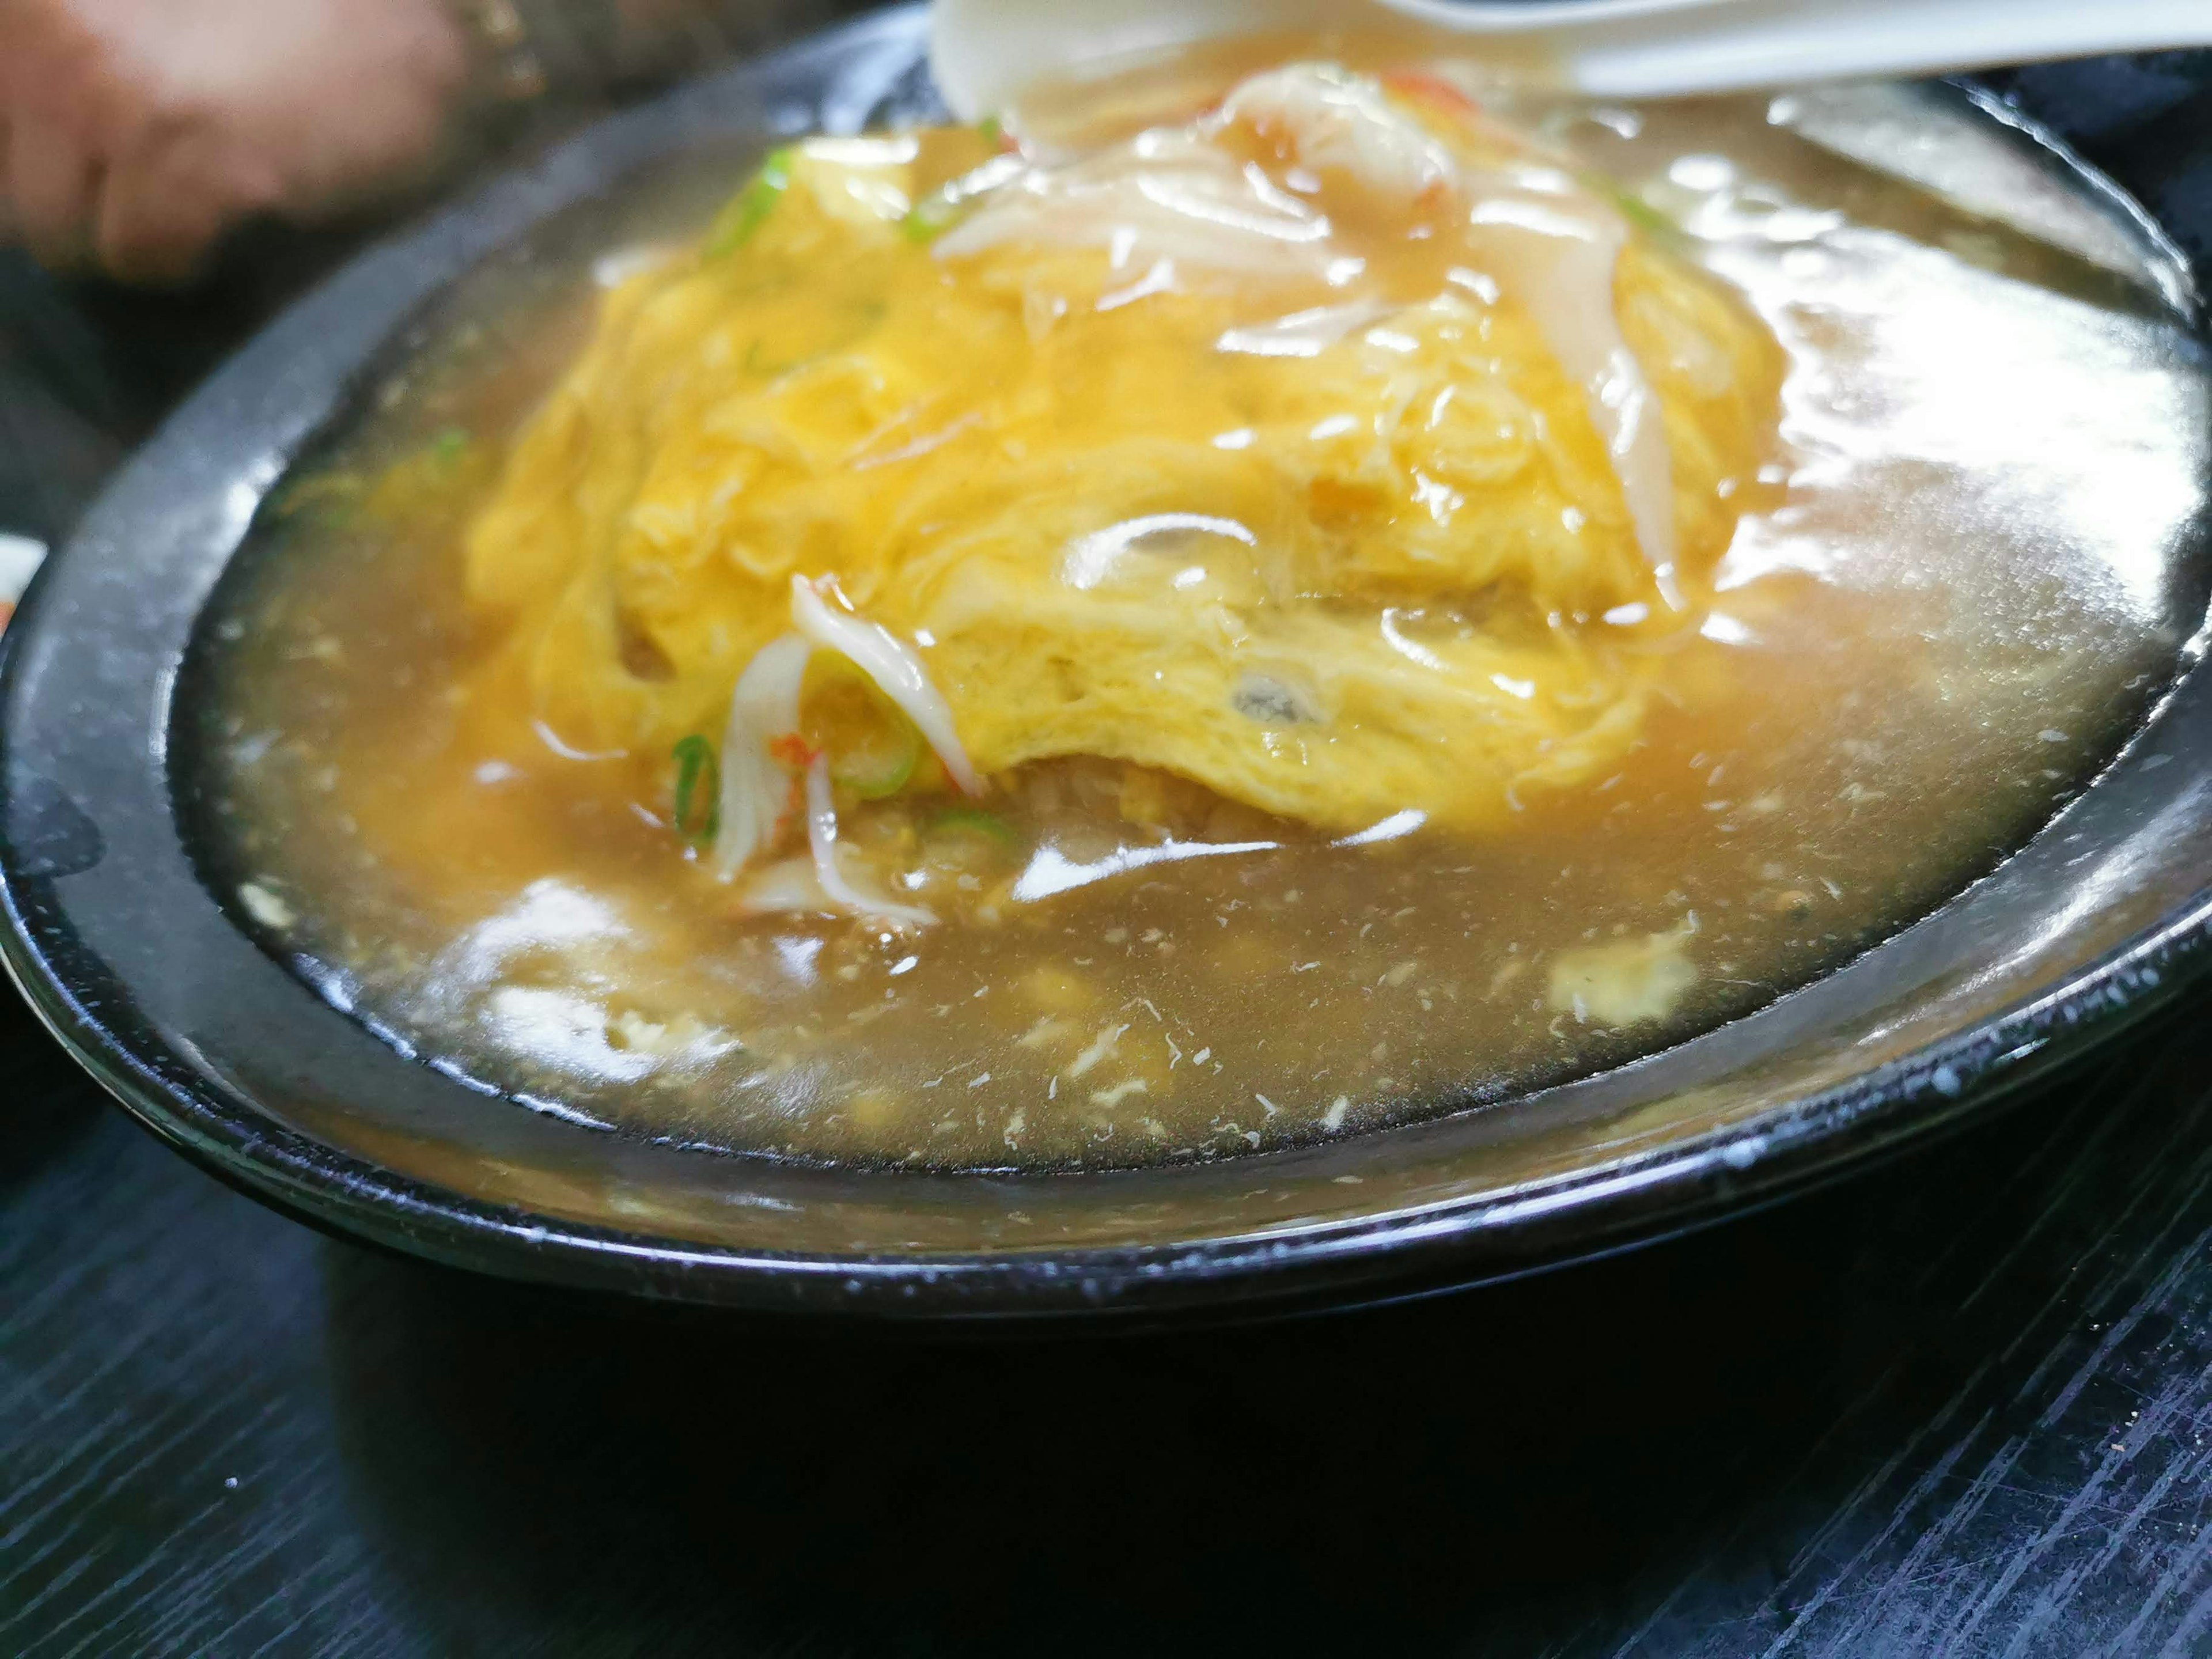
pixel 1958 1406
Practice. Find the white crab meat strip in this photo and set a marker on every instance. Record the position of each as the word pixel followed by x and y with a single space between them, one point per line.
pixel 1167 195
pixel 844 893
pixel 1329 120
pixel 890 662
pixel 1554 247
pixel 756 790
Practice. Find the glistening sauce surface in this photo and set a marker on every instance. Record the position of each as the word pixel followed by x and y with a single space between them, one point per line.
pixel 1946 598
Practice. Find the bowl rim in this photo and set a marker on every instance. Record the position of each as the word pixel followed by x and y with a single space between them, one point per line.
pixel 1612 1204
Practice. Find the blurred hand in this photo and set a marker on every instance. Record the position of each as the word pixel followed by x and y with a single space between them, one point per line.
pixel 133 133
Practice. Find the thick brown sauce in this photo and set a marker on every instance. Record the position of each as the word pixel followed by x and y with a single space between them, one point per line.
pixel 1940 630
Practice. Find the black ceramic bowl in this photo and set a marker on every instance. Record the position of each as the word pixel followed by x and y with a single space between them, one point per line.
pixel 227 1053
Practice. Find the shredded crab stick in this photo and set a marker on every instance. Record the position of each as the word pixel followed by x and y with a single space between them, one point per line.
pixel 1556 247
pixel 821 844
pixel 756 790
pixel 891 664
pixel 1553 245
pixel 789 886
pixel 1333 119
pixel 762 748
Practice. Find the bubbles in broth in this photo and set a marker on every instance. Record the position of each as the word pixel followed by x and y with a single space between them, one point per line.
pixel 1369 725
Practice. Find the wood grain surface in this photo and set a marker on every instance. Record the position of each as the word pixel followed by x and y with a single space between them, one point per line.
pixel 1958 1406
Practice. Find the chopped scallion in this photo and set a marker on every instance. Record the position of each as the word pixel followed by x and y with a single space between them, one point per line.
pixel 750 208
pixel 1634 209
pixel 930 218
pixel 328 501
pixel 987 824
pixel 698 777
pixel 882 765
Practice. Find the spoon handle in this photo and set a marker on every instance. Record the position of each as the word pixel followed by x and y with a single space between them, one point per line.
pixel 984 52
pixel 1652 48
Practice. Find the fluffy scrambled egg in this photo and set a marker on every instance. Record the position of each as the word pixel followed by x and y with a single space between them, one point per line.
pixel 1258 451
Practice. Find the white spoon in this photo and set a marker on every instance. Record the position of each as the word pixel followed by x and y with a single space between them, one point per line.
pixel 985 52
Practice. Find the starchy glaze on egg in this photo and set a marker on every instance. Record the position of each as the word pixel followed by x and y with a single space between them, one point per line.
pixel 1308 606
pixel 1298 451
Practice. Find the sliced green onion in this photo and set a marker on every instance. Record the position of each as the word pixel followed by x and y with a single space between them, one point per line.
pixel 987 824
pixel 1633 208
pixel 992 128
pixel 450 445
pixel 930 218
pixel 327 499
pixel 696 765
pixel 885 766
pixel 750 208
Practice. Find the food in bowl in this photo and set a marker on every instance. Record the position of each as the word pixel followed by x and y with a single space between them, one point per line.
pixel 1188 634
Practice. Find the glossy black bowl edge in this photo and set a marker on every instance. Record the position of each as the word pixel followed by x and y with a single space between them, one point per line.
pixel 1637 1201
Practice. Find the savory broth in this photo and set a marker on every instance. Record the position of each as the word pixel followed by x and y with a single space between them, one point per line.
pixel 1917 596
